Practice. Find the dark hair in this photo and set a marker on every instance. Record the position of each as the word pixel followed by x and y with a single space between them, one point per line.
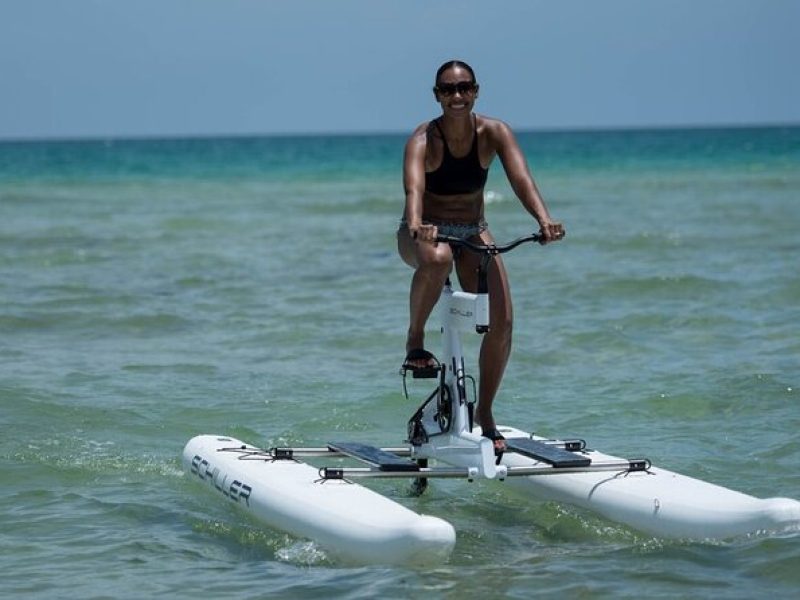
pixel 452 64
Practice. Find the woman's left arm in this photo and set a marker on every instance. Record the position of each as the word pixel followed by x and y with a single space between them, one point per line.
pixel 521 180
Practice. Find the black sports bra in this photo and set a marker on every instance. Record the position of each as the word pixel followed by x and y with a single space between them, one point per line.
pixel 457 175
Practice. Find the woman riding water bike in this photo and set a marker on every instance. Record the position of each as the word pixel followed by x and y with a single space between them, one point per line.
pixel 445 167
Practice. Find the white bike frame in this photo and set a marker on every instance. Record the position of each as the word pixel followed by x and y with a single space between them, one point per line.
pixel 446 417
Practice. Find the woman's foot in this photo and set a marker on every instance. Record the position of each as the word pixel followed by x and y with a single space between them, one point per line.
pixel 421 363
pixel 419 358
pixel 497 438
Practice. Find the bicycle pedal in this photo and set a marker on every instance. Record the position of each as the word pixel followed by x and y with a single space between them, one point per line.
pixel 425 372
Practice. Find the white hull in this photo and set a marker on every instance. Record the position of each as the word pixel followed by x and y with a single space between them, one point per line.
pixel 657 501
pixel 348 520
pixel 354 523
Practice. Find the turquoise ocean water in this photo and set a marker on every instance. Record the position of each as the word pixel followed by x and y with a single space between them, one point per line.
pixel 152 290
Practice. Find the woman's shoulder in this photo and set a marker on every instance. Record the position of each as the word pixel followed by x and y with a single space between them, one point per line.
pixel 424 128
pixel 492 125
pixel 499 132
pixel 422 132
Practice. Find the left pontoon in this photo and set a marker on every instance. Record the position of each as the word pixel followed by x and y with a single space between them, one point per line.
pixel 348 520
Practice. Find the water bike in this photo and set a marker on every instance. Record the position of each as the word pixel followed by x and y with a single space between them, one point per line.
pixel 355 523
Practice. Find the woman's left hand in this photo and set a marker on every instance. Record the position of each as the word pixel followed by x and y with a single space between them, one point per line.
pixel 551 232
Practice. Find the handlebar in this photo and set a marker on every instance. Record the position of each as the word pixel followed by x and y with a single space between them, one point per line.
pixel 488 249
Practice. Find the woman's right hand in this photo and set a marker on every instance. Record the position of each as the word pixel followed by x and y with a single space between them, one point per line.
pixel 424 233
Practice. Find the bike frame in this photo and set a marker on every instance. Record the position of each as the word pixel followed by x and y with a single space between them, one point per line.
pixel 442 428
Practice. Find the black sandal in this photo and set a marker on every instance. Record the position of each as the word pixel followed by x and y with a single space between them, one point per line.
pixel 429 371
pixel 495 436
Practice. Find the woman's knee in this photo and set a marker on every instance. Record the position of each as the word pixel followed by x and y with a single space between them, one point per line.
pixel 435 259
pixel 432 258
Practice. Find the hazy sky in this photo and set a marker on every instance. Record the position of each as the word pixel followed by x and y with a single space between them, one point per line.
pixel 73 68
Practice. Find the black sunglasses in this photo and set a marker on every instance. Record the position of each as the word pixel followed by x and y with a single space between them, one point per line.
pixel 462 87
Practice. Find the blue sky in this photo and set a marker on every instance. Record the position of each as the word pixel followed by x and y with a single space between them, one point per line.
pixel 111 68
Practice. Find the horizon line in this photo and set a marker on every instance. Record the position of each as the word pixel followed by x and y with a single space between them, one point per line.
pixel 175 136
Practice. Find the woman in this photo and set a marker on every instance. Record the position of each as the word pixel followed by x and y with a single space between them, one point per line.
pixel 444 173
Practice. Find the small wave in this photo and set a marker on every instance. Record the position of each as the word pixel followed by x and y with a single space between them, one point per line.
pixel 666 286
pixel 189 369
pixel 493 197
pixel 156 323
pixel 83 457
pixel 305 553
pixel 137 325
pixel 259 540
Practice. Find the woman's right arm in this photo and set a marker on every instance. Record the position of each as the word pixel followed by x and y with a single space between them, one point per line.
pixel 414 184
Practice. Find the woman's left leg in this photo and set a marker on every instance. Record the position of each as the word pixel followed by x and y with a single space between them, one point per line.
pixel 496 345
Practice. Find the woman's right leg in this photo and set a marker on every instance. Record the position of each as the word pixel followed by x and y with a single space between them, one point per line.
pixel 432 264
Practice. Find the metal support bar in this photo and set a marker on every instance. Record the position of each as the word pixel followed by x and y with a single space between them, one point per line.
pixel 293 453
pixel 626 466
pixel 284 453
pixel 622 466
pixel 423 472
